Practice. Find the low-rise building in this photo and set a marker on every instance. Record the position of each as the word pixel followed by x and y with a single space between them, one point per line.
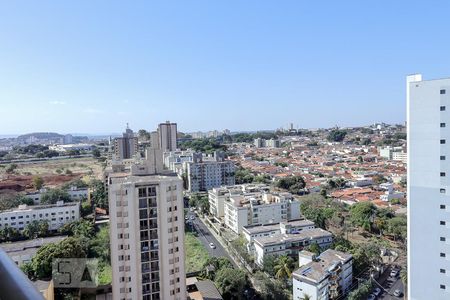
pixel 75 194
pixel 290 243
pixel 328 276
pixel 290 227
pixel 56 214
pixel 218 195
pixel 258 209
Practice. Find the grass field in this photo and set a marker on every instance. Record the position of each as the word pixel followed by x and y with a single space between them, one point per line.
pixel 196 254
pixel 84 165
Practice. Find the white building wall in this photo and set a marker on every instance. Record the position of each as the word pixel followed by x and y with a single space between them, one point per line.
pixel 428 207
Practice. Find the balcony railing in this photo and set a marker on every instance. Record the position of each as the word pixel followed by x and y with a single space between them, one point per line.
pixel 14 284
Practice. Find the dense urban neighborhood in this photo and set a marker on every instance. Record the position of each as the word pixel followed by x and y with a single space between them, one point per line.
pixel 284 214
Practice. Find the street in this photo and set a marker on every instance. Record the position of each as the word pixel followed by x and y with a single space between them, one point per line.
pixel 390 285
pixel 206 237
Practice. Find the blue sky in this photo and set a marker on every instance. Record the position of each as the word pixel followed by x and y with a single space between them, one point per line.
pixel 92 66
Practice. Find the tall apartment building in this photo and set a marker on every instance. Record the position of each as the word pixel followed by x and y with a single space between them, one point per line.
pixel 205 173
pixel 126 147
pixel 167 133
pixel 147 231
pixel 428 112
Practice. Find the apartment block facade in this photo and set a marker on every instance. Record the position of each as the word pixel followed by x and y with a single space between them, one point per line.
pixel 147 233
pixel 428 114
pixel 204 174
pixel 328 276
pixel 55 214
pixel 126 147
pixel 264 208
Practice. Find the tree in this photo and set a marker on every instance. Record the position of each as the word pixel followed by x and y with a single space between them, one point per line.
pixel 96 153
pixel 81 227
pixel 41 264
pixel 99 196
pixel 217 263
pixel 54 195
pixel 362 214
pixel 269 289
pixel 336 135
pixel 38 182
pixel 243 176
pixel 362 292
pixel 143 135
pixel 36 229
pixel 314 248
pixel 397 227
pixel 269 263
pixel 100 247
pixel 284 267
pixel 231 283
pixel 295 184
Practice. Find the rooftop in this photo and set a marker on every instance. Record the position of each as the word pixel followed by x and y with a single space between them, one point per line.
pixel 307 234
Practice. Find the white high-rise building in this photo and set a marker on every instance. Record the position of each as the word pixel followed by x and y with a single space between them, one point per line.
pixel 428 113
pixel 147 232
pixel 167 136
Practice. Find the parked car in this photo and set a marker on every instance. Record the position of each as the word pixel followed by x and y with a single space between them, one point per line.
pixel 398 293
pixel 212 245
pixel 371 297
pixel 192 217
pixel 394 273
pixel 376 292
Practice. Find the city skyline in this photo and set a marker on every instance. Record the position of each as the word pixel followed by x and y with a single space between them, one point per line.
pixel 68 67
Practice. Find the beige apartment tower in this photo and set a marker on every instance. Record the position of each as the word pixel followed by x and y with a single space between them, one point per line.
pixel 167 133
pixel 147 233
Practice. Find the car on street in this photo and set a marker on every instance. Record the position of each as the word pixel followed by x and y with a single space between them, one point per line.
pixel 186 218
pixel 192 218
pixel 376 292
pixel 212 246
pixel 371 297
pixel 398 293
pixel 394 273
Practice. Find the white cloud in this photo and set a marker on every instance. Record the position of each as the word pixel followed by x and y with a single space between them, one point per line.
pixel 57 102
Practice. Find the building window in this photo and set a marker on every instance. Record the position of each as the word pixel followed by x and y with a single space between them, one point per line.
pixel 442 92
pixel 442 174
pixel 442 142
pixel 442 239
pixel 442 157
pixel 442 125
pixel 442 271
pixel 442 108
pixel 442 254
pixel 442 222
pixel 442 287
pixel 442 206
pixel 442 191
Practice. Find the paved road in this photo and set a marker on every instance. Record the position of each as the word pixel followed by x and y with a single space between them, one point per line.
pixel 390 285
pixel 206 237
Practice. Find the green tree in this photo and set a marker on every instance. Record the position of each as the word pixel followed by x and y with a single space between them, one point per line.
pixel 38 182
pixel 36 229
pixel 82 228
pixel 284 267
pixel 314 248
pixel 231 283
pixel 269 289
pixel 336 135
pixel 54 195
pixel 362 214
pixel 96 153
pixel 295 184
pixel 362 292
pixel 99 196
pixel 41 264
pixel 269 263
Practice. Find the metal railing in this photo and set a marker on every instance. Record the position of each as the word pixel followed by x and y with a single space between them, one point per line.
pixel 14 284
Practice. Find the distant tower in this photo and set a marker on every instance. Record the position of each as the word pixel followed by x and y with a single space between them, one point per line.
pixel 167 133
pixel 126 147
